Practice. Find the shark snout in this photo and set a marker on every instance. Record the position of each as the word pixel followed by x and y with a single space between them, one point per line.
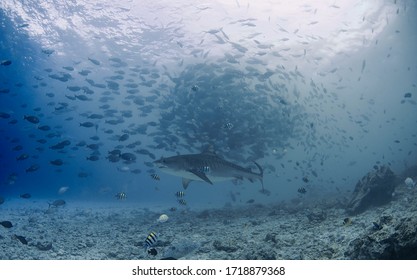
pixel 159 163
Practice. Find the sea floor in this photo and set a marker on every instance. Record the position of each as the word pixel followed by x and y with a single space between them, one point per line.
pixel 89 231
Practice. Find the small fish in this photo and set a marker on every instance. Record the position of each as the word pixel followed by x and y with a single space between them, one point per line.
pixel 194 88
pixel 22 157
pixel 44 127
pixel 155 177
pixel 48 52
pixel 376 226
pixel 128 157
pixel 94 61
pixel 302 190
pixel 93 146
pixel 57 162
pixel 250 200
pixel 347 221
pixel 87 124
pixel 180 194
pixel 60 145
pixel 18 148
pixel 63 189
pixel 305 180
pixel 182 202
pixel 227 125
pixel 124 168
pixel 124 137
pixel 25 195
pixel 172 209
pixel 4 115
pixel 22 239
pixel 57 203
pixel 152 252
pixel 5 62
pixel 121 196
pixel 32 119
pixel 32 168
pixel 92 158
pixel 363 65
pixel 74 88
pixel 151 239
pixel 407 95
pixel 6 224
pixel 115 153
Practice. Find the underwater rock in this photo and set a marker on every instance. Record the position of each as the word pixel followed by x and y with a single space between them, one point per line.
pixel 409 182
pixel 112 255
pixel 221 247
pixel 180 249
pixel 374 189
pixel 205 214
pixel 44 246
pixel 316 216
pixel 261 254
pixel 271 237
pixel 395 241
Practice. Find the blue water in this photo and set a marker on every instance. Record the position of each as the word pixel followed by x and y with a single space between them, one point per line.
pixel 315 91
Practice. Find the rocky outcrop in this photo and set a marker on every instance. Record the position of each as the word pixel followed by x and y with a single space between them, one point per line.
pixel 316 215
pixel 393 240
pixel 374 189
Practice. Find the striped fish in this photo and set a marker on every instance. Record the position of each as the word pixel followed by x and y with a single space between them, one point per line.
pixel 180 194
pixel 121 195
pixel 155 177
pixel 151 239
pixel 182 202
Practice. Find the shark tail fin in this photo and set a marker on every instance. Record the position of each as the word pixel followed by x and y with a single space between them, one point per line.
pixel 261 174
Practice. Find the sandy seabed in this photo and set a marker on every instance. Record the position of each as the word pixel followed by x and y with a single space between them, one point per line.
pixel 117 231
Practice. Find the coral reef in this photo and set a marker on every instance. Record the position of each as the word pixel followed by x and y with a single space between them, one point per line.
pixel 374 189
pixel 395 240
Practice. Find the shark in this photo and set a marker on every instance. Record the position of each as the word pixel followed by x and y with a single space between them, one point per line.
pixel 207 167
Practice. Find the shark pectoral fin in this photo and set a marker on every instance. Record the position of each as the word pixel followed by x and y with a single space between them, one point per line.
pixel 201 175
pixel 185 183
